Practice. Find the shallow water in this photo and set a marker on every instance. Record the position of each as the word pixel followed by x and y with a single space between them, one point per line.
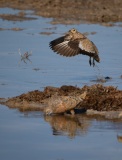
pixel 29 136
pixel 33 136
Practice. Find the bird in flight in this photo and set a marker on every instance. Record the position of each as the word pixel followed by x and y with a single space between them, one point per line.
pixel 74 43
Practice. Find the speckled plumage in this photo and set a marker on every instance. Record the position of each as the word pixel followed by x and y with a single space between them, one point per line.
pixel 74 43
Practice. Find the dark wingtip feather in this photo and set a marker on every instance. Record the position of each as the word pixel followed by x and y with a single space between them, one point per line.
pixel 51 45
pixel 56 41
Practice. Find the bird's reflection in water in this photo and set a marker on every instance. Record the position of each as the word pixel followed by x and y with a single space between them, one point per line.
pixel 68 125
pixel 78 125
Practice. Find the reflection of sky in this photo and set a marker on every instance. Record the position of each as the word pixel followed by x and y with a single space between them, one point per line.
pixel 29 137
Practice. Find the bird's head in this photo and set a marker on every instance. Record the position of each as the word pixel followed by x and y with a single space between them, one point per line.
pixel 70 34
pixel 73 30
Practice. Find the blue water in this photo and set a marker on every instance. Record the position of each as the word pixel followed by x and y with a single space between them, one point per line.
pixel 33 136
pixel 29 136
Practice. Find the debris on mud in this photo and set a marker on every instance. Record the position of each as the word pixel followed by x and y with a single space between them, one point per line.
pixel 21 16
pixel 12 17
pixel 102 79
pixel 95 99
pixel 47 33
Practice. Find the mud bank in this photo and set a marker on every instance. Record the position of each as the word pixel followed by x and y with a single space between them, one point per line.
pixel 94 100
pixel 71 12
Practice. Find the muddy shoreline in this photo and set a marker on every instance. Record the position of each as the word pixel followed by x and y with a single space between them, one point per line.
pixel 94 100
pixel 70 12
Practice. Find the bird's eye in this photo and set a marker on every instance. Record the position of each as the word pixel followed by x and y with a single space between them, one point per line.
pixel 73 30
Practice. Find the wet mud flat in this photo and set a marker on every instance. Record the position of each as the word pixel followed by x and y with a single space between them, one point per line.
pixel 69 12
pixel 93 100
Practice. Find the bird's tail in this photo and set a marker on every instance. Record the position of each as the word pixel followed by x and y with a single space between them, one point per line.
pixel 97 58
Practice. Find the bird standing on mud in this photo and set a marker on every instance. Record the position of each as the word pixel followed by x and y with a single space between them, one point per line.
pixel 74 43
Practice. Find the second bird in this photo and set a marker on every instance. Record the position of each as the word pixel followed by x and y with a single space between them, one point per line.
pixel 74 43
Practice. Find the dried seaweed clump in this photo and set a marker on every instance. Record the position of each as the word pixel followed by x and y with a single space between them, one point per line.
pixel 102 98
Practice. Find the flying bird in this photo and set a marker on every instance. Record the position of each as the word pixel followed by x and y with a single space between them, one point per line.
pixel 74 43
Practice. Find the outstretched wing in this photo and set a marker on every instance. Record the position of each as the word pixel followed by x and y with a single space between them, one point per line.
pixel 64 47
pixel 88 47
pixel 74 47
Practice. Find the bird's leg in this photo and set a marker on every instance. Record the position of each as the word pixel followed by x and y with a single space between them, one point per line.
pixel 90 61
pixel 93 62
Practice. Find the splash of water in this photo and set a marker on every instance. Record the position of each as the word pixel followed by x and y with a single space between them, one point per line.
pixel 99 77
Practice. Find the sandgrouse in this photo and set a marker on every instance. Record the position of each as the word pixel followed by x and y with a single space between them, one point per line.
pixel 74 43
